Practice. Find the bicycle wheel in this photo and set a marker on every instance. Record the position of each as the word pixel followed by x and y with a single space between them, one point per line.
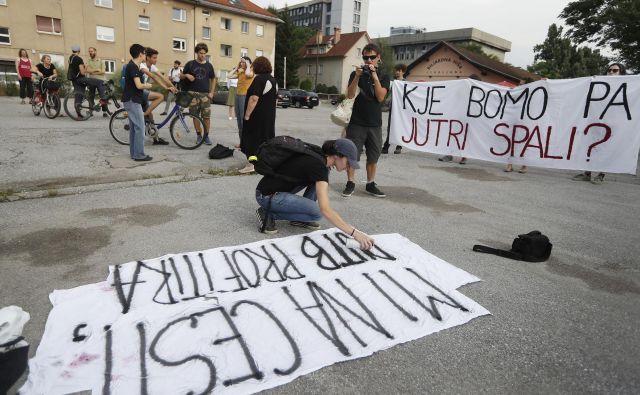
pixel 112 105
pixel 183 130
pixel 36 105
pixel 83 113
pixel 52 106
pixel 119 126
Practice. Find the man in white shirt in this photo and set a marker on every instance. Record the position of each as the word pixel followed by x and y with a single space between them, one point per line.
pixel 174 77
pixel 150 70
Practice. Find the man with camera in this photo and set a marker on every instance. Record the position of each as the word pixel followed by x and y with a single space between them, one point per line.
pixel 365 126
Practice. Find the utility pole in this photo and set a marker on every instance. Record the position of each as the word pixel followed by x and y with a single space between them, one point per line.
pixel 318 38
pixel 285 73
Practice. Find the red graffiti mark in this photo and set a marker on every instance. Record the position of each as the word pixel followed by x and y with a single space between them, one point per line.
pixel 83 359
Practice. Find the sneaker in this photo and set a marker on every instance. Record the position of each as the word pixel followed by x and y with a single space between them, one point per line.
pixel 199 139
pixel 385 149
pixel 249 168
pixel 372 189
pixel 206 140
pixel 348 189
pixel 105 115
pixel 581 177
pixel 160 141
pixel 598 180
pixel 270 226
pixel 463 161
pixel 398 150
pixel 306 225
pixel 446 158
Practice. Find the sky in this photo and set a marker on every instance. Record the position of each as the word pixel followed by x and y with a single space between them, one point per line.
pixel 524 23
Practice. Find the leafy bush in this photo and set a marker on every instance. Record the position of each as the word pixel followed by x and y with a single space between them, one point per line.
pixel 321 88
pixel 306 85
pixel 332 90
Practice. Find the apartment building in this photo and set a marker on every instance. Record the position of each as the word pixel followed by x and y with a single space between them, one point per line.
pixel 230 28
pixel 350 16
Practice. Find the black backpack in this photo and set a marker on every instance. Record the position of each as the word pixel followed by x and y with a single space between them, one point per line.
pixel 220 152
pixel 530 247
pixel 273 153
pixel 71 75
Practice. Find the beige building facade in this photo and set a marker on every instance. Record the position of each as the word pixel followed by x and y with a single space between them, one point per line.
pixel 334 58
pixel 230 29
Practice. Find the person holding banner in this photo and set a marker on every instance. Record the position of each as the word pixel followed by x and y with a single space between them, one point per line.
pixel 614 70
pixel 365 125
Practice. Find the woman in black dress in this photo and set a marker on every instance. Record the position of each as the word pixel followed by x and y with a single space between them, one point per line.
pixel 260 110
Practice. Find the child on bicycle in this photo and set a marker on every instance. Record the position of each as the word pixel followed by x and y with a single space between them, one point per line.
pixel 153 99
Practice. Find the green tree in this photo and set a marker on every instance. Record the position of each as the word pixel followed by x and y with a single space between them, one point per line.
pixel 289 40
pixel 557 57
pixel 608 23
pixel 306 85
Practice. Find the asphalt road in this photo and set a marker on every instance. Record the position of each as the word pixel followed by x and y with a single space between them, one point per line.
pixel 74 203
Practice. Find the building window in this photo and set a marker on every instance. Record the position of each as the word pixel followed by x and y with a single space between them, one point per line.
pixel 328 7
pixel 356 18
pixel 225 23
pixel 225 50
pixel 144 22
pixel 259 52
pixel 206 12
pixel 5 38
pixel 3 2
pixel 179 15
pixel 104 33
pixel 47 24
pixel 244 27
pixel 327 30
pixel 260 30
pixel 328 21
pixel 142 1
pixel 179 44
pixel 104 3
pixel 244 52
pixel 206 33
pixel 109 66
pixel 308 69
pixel 356 29
pixel 357 5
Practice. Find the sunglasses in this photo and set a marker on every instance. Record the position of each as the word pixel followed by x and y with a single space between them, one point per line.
pixel 613 70
pixel 372 57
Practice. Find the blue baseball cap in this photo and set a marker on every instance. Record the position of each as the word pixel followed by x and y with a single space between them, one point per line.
pixel 346 148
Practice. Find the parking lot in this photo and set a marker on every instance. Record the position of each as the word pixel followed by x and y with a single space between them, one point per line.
pixel 74 203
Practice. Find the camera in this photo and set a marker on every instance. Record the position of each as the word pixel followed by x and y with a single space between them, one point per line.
pixel 365 69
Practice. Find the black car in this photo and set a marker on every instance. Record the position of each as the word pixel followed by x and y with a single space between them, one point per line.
pixel 283 98
pixel 222 93
pixel 301 98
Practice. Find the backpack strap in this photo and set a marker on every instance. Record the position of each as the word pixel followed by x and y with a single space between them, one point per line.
pixel 496 251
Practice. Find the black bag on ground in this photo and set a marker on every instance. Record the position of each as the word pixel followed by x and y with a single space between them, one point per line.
pixel 529 247
pixel 271 154
pixel 220 152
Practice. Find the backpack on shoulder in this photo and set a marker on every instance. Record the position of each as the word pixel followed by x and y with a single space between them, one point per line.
pixel 273 153
pixel 529 247
pixel 70 74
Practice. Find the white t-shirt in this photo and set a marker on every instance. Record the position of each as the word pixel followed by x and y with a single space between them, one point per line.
pixel 153 69
pixel 174 74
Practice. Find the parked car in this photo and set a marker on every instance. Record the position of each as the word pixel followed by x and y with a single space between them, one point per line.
pixel 222 93
pixel 301 98
pixel 283 98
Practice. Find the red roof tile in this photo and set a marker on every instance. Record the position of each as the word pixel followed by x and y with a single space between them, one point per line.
pixel 344 45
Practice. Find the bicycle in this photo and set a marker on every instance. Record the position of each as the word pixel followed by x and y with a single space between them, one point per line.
pixel 182 128
pixel 46 98
pixel 87 107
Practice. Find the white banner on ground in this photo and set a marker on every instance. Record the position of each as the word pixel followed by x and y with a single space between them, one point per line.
pixel 245 318
pixel 588 123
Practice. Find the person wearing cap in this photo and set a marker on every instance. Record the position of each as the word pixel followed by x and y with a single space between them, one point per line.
pixel 78 72
pixel 174 76
pixel 278 197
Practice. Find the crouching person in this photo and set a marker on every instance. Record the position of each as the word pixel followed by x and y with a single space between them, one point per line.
pixel 278 198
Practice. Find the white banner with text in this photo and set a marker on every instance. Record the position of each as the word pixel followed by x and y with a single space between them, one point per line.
pixel 589 123
pixel 245 318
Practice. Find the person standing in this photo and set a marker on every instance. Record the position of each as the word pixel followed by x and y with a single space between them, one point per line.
pixel 174 77
pixel 365 126
pixel 201 83
pixel 95 69
pixel 232 85
pixel 78 76
pixel 399 71
pixel 260 114
pixel 245 75
pixel 614 70
pixel 23 69
pixel 132 102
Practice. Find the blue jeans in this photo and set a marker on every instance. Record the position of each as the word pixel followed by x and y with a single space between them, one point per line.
pixel 136 129
pixel 240 113
pixel 291 207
